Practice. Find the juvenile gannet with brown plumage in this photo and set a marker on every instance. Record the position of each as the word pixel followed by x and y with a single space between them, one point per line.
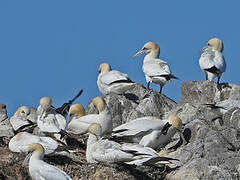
pixel 155 69
pixel 20 118
pixel 21 141
pixel 41 170
pixel 148 131
pixel 106 151
pixel 79 122
pixel 112 81
pixel 212 61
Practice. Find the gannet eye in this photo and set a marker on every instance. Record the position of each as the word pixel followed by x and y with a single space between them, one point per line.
pixel 22 111
pixel 144 48
pixel 208 44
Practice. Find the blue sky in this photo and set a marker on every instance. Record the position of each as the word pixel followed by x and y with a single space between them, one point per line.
pixel 54 47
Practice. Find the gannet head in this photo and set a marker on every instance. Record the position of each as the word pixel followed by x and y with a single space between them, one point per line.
pixel 95 129
pixel 99 103
pixel 175 121
pixel 22 111
pixel 46 103
pixel 76 110
pixel 104 67
pixel 35 149
pixel 150 48
pixel 214 44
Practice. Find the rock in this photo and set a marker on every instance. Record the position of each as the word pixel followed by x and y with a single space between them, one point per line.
pixel 135 103
pixel 6 129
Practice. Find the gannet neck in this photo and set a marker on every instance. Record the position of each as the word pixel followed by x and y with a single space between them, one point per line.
pixel 38 151
pixel 100 104
pixel 91 139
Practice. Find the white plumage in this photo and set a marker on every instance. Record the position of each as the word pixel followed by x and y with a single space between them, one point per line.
pixel 21 142
pixel 79 123
pixel 112 81
pixel 148 131
pixel 40 170
pixel 212 61
pixel 155 69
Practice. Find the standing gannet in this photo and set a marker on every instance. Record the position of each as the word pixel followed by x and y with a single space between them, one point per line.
pixel 41 170
pixel 212 60
pixel 106 151
pixel 20 118
pixel 21 141
pixel 148 131
pixel 155 69
pixel 78 123
pixel 48 120
pixel 112 81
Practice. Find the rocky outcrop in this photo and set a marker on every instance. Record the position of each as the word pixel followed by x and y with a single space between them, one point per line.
pixel 211 118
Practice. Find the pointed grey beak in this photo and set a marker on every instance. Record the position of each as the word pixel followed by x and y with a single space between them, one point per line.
pixel 27 158
pixel 204 48
pixel 138 53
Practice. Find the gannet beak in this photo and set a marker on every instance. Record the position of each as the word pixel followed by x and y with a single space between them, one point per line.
pixel 204 48
pixel 27 158
pixel 139 53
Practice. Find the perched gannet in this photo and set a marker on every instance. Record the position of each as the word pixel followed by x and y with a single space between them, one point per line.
pixel 155 69
pixel 20 118
pixel 6 129
pixel 148 131
pixel 106 151
pixel 48 120
pixel 112 81
pixel 212 60
pixel 39 169
pixel 21 141
pixel 79 122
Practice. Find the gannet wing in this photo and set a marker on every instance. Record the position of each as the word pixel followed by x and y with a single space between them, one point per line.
pixel 114 77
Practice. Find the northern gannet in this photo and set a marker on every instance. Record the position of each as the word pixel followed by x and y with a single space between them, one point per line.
pixel 112 81
pixel 41 170
pixel 49 120
pixel 20 118
pixel 155 69
pixel 212 61
pixel 106 151
pixel 148 131
pixel 79 123
pixel 21 141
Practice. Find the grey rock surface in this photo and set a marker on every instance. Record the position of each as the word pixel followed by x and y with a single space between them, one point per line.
pixel 135 103
pixel 6 129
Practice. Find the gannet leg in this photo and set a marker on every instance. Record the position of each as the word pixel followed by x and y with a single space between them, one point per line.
pixel 160 89
pixel 148 84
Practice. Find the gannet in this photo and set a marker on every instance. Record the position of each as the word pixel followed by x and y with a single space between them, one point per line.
pixel 106 151
pixel 112 81
pixel 212 60
pixel 49 120
pixel 155 69
pixel 39 169
pixel 21 141
pixel 20 118
pixel 78 123
pixel 148 131
pixel 6 129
